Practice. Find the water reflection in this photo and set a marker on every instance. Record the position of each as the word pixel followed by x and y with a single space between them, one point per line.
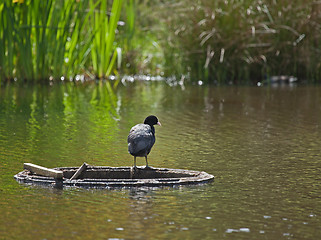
pixel 262 144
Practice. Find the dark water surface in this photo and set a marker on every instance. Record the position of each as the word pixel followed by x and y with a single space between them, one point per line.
pixel 262 144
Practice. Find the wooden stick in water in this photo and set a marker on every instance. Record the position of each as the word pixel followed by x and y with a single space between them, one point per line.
pixel 43 171
pixel 79 171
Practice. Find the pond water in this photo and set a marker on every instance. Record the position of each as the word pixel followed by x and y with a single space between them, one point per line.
pixel 261 143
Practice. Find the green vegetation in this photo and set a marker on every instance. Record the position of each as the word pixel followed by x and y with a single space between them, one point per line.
pixel 241 40
pixel 222 41
pixel 42 40
pixel 141 39
pixel 104 34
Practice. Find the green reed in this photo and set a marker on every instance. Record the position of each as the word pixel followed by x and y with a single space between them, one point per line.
pixel 237 40
pixel 42 40
pixel 104 51
pixel 6 40
pixel 142 53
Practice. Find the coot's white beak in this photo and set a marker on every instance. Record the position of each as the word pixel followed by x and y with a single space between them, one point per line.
pixel 158 123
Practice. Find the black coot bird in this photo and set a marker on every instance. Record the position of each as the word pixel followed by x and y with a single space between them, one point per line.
pixel 141 138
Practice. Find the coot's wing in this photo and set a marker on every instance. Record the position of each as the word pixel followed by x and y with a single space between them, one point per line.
pixel 140 140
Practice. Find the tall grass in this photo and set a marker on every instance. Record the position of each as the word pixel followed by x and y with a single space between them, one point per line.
pixel 142 53
pixel 6 40
pixel 222 41
pixel 104 51
pixel 42 40
pixel 238 40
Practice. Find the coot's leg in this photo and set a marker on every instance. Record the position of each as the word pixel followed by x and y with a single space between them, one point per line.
pixel 146 162
pixel 134 161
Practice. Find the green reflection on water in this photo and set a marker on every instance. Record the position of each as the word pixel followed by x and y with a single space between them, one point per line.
pixel 262 145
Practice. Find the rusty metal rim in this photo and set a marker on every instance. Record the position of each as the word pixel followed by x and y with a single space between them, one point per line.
pixel 196 177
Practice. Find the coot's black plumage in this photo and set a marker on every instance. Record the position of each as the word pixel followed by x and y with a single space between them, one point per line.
pixel 141 138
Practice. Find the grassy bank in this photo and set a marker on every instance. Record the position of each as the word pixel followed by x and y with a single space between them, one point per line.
pixel 238 41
